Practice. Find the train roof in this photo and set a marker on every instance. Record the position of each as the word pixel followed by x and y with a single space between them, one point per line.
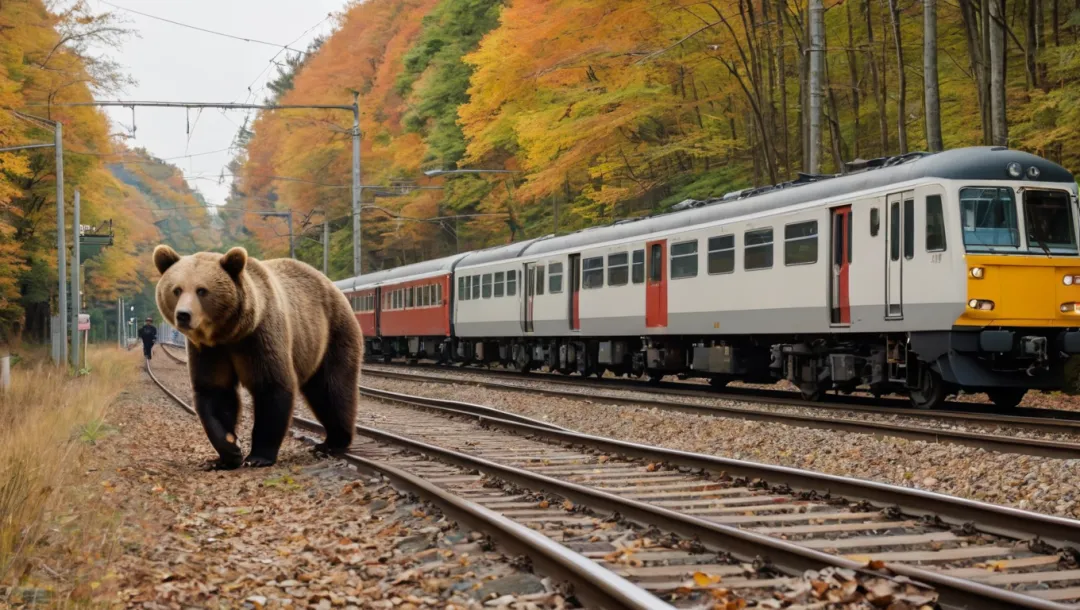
pixel 976 163
pixel 497 253
pixel 403 273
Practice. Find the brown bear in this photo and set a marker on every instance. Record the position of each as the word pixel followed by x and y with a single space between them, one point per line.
pixel 273 326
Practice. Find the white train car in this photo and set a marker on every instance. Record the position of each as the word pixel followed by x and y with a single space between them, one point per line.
pixel 925 274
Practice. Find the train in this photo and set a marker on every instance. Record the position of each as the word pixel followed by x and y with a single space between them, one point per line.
pixel 923 275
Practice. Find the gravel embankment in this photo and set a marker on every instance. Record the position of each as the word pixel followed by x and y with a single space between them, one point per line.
pixel 1032 483
pixel 305 533
pixel 539 381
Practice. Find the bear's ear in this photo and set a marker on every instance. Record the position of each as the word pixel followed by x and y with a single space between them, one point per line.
pixel 233 261
pixel 164 257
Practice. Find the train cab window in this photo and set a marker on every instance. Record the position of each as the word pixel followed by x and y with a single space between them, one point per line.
pixel 1049 222
pixel 637 267
pixel 875 222
pixel 988 219
pixel 758 249
pixel 618 269
pixel 935 224
pixel 909 229
pixel 721 254
pixel 592 272
pixel 499 289
pixel 555 278
pixel 485 285
pixel 539 279
pixel 476 287
pixel 511 283
pixel 801 243
pixel 684 260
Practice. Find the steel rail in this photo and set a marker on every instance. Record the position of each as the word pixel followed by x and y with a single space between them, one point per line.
pixel 990 442
pixel 597 586
pixel 991 518
pixel 1041 420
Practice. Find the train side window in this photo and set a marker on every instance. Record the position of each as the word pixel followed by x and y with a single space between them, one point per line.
pixel 875 222
pixel 684 260
pixel 555 278
pixel 500 285
pixel 539 280
pixel 410 297
pixel 485 286
pixel 909 229
pixel 637 269
pixel 721 254
pixel 592 274
pixel 618 269
pixel 894 230
pixel 438 294
pixel 511 283
pixel 935 224
pixel 476 287
pixel 427 295
pixel 461 289
pixel 850 238
pixel 801 243
pixel 758 249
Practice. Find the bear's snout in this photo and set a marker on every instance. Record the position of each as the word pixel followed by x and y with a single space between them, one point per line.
pixel 183 318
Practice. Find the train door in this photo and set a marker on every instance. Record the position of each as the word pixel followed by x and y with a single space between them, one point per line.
pixel 378 310
pixel 575 292
pixel 656 314
pixel 839 292
pixel 527 302
pixel 899 244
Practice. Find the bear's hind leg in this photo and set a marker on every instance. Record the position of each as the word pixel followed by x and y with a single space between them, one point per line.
pixel 273 410
pixel 332 394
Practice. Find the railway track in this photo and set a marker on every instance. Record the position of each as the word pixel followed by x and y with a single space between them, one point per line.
pixel 975 555
pixel 1060 449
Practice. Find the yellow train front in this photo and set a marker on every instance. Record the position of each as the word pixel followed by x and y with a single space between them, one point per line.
pixel 1020 324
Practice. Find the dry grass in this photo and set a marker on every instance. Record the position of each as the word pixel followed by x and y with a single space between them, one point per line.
pixel 48 419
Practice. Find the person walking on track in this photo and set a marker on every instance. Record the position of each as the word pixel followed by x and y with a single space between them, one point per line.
pixel 148 334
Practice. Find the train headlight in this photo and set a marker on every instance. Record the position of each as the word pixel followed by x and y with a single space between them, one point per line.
pixel 1070 308
pixel 981 305
pixel 1033 172
pixel 1015 170
pixel 978 272
pixel 1071 280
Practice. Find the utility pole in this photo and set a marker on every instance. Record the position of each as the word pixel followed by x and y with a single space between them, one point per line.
pixel 61 242
pixel 75 301
pixel 357 190
pixel 817 55
pixel 326 248
pixel 120 323
pixel 292 242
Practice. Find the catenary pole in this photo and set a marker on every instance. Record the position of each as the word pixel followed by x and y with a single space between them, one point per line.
pixel 326 248
pixel 357 190
pixel 75 300
pixel 61 241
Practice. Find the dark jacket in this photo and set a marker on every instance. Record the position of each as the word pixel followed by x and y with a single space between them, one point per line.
pixel 148 334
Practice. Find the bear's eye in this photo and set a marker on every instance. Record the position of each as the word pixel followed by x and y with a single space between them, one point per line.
pixel 201 292
pixel 177 290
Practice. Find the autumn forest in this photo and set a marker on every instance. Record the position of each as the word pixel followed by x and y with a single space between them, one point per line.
pixel 590 110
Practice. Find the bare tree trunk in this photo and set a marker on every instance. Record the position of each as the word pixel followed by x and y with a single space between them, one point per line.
pixel 901 87
pixel 781 69
pixel 988 128
pixel 930 77
pixel 877 82
pixel 817 67
pixel 976 58
pixel 1031 46
pixel 853 70
pixel 836 140
pixel 1055 17
pixel 998 118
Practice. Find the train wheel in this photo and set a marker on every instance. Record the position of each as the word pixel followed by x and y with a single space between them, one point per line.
pixel 719 381
pixel 811 392
pixel 931 392
pixel 655 377
pixel 1006 398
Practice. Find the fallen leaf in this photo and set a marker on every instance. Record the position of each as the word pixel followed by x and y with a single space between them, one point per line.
pixel 702 579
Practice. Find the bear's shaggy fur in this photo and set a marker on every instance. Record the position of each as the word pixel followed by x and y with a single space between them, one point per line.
pixel 275 327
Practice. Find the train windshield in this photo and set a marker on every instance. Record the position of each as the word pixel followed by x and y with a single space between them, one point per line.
pixel 988 215
pixel 1048 220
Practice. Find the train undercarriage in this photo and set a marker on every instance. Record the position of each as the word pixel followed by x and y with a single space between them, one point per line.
pixel 928 367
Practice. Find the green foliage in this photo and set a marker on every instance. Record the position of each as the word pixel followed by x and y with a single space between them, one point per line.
pixel 438 79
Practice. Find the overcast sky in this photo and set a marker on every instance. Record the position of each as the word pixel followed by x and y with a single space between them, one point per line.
pixel 174 63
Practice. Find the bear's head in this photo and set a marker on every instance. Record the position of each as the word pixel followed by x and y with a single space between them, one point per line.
pixel 203 295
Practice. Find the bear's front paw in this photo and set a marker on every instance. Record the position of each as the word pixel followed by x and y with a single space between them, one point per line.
pixel 222 464
pixel 322 450
pixel 254 461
